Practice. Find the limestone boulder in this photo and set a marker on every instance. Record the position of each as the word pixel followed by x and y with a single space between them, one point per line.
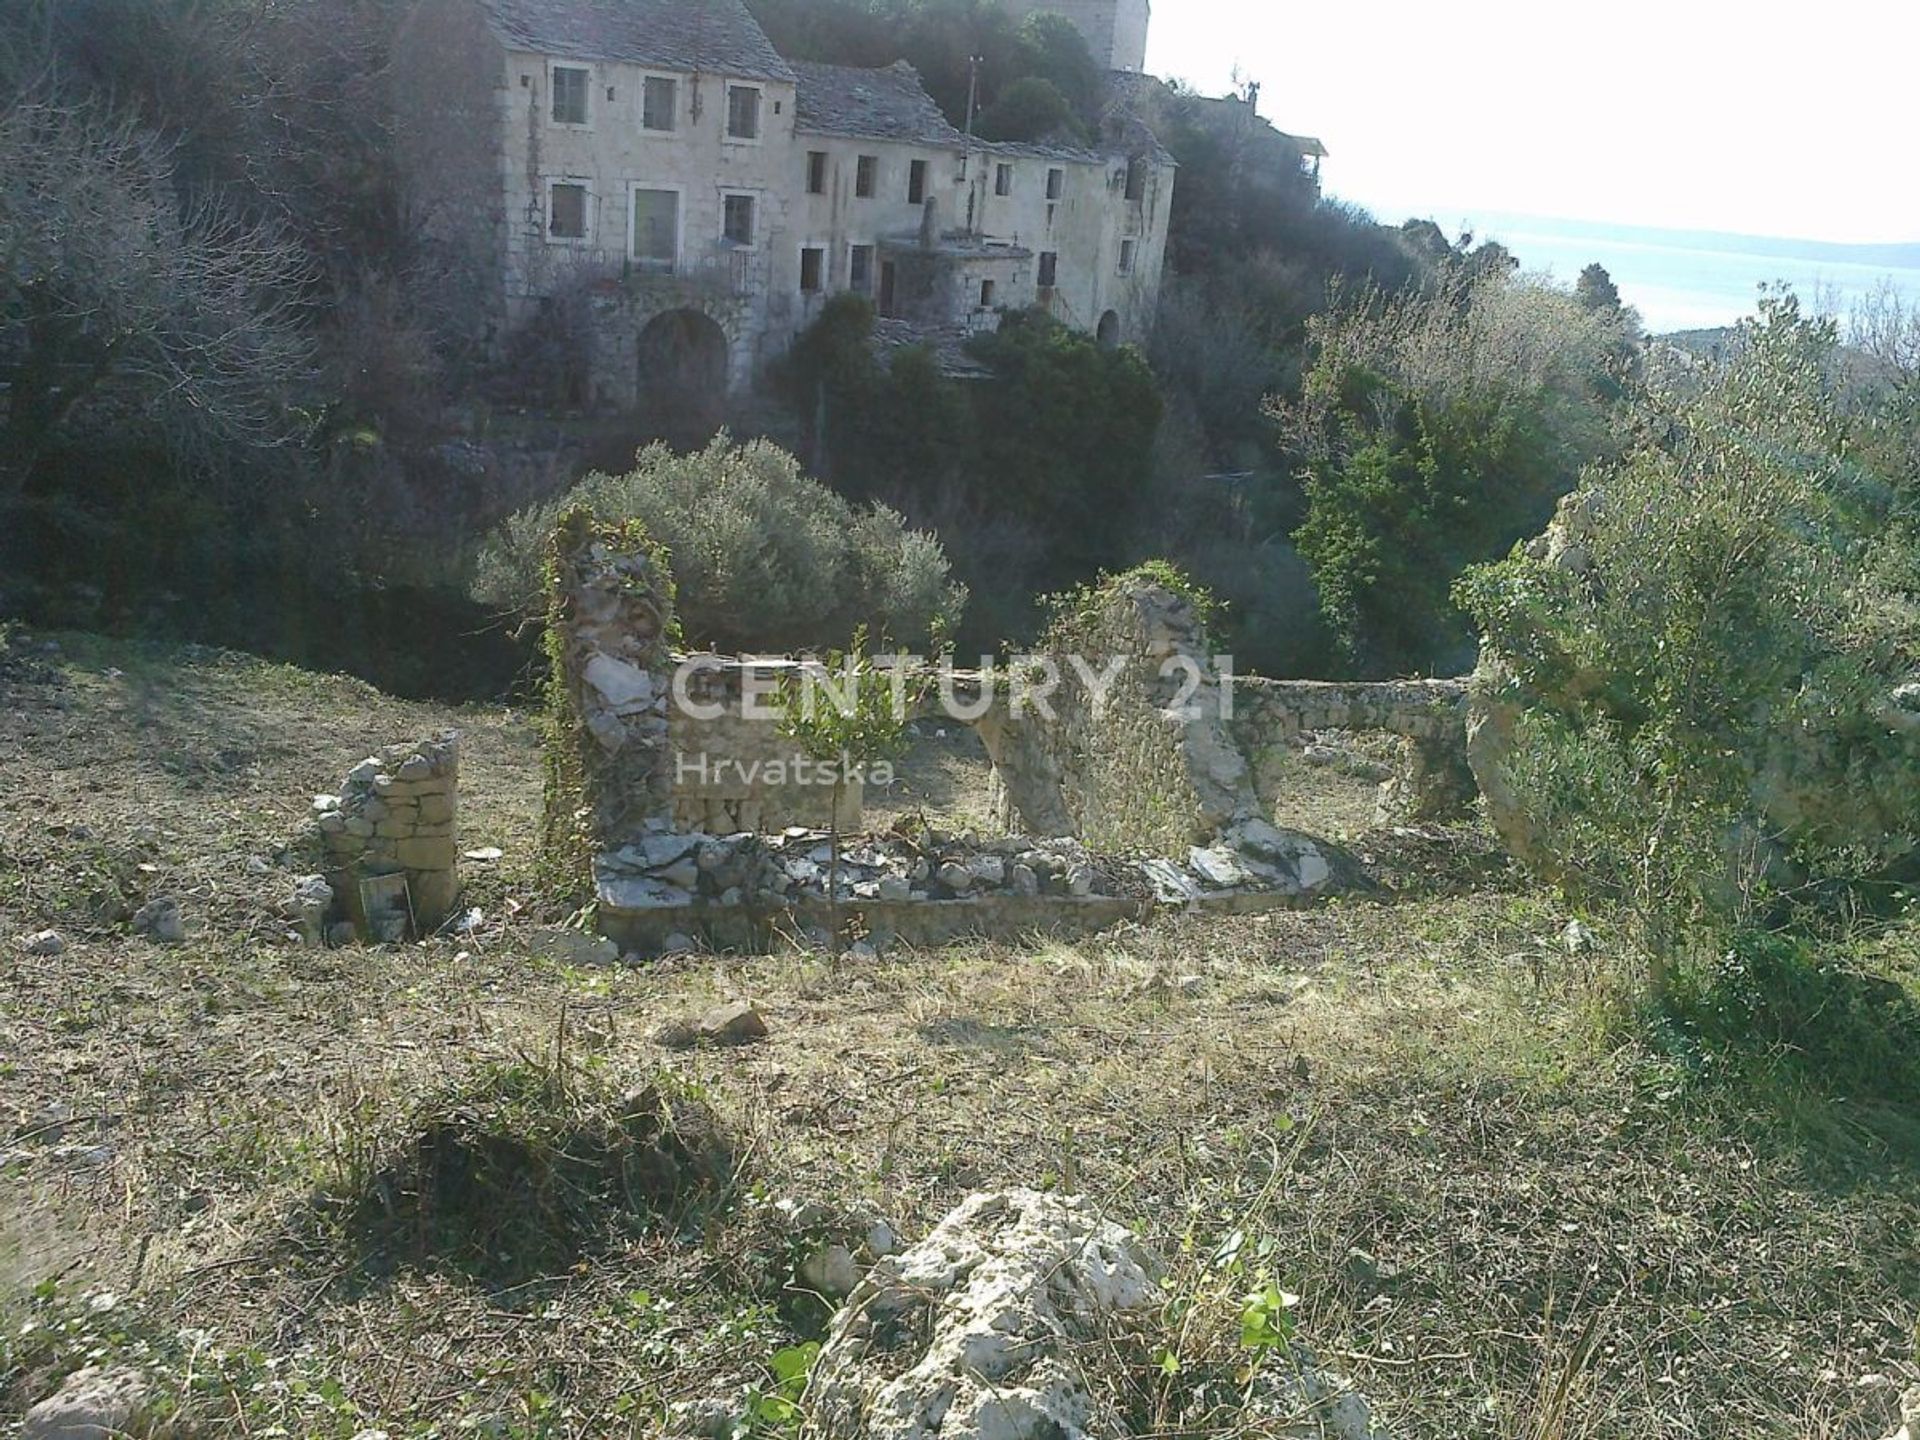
pixel 994 1328
pixel 96 1403
pixel 980 1331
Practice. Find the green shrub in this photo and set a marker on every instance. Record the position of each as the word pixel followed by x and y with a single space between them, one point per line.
pixel 1436 430
pixel 764 557
pixel 1774 1001
pixel 1702 668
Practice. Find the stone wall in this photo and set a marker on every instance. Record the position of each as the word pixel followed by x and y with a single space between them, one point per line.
pixel 733 771
pixel 1274 717
pixel 1149 764
pixel 395 820
pixel 613 613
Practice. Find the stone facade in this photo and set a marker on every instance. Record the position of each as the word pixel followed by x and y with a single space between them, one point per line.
pixel 394 820
pixel 1115 30
pixel 663 161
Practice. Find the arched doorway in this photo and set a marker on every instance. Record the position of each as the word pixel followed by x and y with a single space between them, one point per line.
pixel 1109 332
pixel 683 369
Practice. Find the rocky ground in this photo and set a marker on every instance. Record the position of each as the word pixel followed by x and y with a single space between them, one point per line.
pixel 226 1159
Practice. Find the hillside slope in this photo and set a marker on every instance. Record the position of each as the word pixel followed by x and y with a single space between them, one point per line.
pixel 1506 1218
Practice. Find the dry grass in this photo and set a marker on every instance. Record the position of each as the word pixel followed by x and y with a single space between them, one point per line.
pixel 1417 1111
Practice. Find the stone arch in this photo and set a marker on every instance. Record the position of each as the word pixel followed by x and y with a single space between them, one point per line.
pixel 1108 333
pixel 684 359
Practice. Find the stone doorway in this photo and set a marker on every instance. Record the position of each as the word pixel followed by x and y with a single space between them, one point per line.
pixel 683 368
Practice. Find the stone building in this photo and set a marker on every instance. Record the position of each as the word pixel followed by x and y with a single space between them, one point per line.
pixel 657 171
pixel 1115 30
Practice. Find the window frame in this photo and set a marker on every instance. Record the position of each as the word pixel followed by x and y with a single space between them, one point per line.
pixel 873 269
pixel 1129 254
pixel 866 177
pixel 917 177
pixel 820 161
pixel 1047 272
pixel 588 208
pixel 989 293
pixel 759 93
pixel 679 193
pixel 1056 182
pixel 819 254
pixel 554 67
pixel 673 118
pixel 752 197
pixel 1003 178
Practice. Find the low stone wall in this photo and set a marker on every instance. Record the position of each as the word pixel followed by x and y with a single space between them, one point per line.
pixel 743 891
pixel 1272 717
pixel 395 819
pixel 733 771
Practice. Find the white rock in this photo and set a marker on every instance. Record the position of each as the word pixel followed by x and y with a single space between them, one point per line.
pixel 92 1404
pixel 1219 865
pixel 363 773
pixel 1171 885
pixel 894 888
pixel 44 943
pixel 832 1271
pixel 993 1316
pixel 987 1330
pixel 625 687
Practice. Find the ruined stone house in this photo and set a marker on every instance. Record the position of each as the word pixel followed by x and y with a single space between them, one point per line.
pixel 657 167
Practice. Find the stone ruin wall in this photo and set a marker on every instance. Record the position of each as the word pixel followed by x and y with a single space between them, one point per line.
pixel 732 773
pixel 1273 719
pixel 1121 802
pixel 395 819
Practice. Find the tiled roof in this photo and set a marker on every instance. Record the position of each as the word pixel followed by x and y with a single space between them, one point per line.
pixel 718 36
pixel 887 104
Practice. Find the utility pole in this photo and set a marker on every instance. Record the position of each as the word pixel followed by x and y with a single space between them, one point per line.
pixel 973 100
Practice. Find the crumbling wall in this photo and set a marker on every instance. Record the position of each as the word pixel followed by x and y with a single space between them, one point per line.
pixel 395 819
pixel 1274 717
pixel 1133 758
pixel 733 769
pixel 609 632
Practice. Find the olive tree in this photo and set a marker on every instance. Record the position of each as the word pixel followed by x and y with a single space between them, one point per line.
pixel 123 304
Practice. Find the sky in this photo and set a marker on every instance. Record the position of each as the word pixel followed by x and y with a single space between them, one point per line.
pixel 1761 118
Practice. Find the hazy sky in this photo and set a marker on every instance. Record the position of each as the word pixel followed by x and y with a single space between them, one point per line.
pixel 1764 118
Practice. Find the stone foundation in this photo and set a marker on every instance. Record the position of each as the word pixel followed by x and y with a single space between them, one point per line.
pixel 390 837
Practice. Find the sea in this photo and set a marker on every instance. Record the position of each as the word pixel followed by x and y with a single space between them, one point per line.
pixel 1697 280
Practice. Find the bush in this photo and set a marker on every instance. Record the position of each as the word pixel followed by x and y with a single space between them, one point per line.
pixel 1772 1001
pixel 1699 677
pixel 1436 430
pixel 764 557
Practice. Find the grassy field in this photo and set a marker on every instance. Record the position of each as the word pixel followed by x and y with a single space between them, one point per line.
pixel 1508 1216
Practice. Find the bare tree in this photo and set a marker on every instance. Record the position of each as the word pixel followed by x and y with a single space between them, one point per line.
pixel 123 304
